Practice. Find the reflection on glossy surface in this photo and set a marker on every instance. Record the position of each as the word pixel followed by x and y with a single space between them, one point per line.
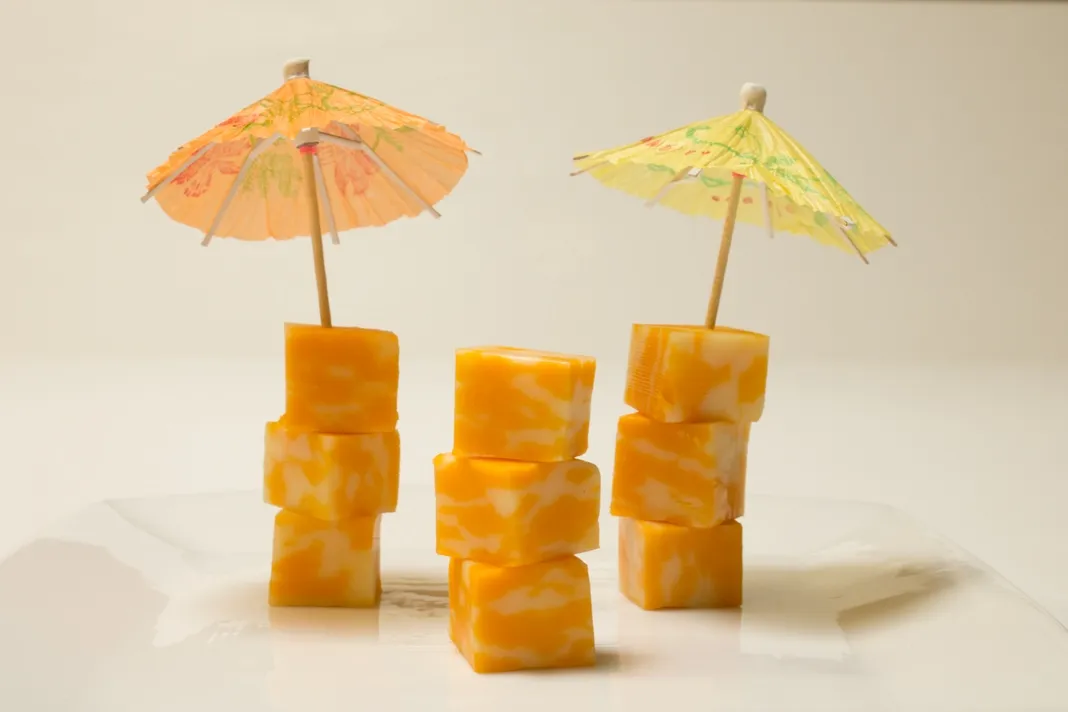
pixel 161 605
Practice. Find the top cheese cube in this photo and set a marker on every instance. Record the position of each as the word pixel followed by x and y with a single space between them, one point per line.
pixel 691 374
pixel 519 404
pixel 341 380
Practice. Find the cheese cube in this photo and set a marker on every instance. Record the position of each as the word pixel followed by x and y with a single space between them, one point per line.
pixel 668 566
pixel 341 379
pixel 331 477
pixel 519 404
pixel 691 474
pixel 511 513
pixel 520 618
pixel 325 564
pixel 687 374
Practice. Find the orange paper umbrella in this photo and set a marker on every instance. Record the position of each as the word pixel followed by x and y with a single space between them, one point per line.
pixel 305 156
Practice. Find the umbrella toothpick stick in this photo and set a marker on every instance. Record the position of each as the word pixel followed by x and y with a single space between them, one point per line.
pixel 754 98
pixel 724 250
pixel 308 145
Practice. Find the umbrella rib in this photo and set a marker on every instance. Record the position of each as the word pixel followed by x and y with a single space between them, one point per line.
pixel 361 145
pixel 845 236
pixel 325 197
pixel 252 156
pixel 358 144
pixel 176 172
pixel 587 168
pixel 767 208
pixel 682 176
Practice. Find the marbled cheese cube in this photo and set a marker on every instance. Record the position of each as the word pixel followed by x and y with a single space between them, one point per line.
pixel 691 474
pixel 519 404
pixel 690 374
pixel 511 513
pixel 341 379
pixel 325 564
pixel 520 618
pixel 668 566
pixel 331 477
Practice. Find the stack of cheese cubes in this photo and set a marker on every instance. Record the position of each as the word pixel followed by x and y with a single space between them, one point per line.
pixel 332 463
pixel 514 507
pixel 680 465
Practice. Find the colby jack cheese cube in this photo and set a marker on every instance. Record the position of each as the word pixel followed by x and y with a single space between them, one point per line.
pixel 341 379
pixel 691 474
pixel 331 477
pixel 325 564
pixel 512 513
pixel 524 617
pixel 668 566
pixel 519 404
pixel 690 374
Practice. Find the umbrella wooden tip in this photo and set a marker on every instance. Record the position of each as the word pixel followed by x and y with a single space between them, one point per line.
pixel 297 68
pixel 754 96
pixel 307 137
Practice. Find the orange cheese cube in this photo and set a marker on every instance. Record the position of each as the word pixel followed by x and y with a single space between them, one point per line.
pixel 691 474
pixel 668 566
pixel 325 564
pixel 511 513
pixel 690 374
pixel 521 618
pixel 341 379
pixel 331 477
pixel 519 404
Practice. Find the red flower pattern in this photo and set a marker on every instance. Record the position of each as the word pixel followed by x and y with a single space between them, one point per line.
pixel 225 159
pixel 352 171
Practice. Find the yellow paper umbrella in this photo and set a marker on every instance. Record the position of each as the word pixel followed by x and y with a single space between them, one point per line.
pixel 307 155
pixel 739 167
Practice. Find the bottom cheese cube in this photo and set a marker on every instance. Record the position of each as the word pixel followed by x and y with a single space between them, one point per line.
pixel 668 566
pixel 325 564
pixel 522 617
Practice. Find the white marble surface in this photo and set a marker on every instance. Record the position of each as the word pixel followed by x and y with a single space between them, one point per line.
pixel 975 453
pixel 161 604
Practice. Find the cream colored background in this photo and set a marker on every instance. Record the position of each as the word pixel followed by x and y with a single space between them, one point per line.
pixel 137 362
pixel 943 119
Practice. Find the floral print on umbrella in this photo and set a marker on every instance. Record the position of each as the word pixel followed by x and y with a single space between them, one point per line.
pixel 277 167
pixel 225 159
pixel 270 201
pixel 351 170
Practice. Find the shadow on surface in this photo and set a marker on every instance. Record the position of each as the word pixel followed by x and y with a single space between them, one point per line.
pixel 359 622
pixel 856 595
pixel 407 595
pixel 65 609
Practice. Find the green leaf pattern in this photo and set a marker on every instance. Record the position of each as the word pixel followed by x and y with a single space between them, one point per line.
pixel 275 168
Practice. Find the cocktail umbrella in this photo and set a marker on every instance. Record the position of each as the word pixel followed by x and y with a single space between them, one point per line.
pixel 739 167
pixel 307 155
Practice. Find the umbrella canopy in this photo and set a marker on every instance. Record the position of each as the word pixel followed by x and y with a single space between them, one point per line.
pixel 741 166
pixel 308 155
